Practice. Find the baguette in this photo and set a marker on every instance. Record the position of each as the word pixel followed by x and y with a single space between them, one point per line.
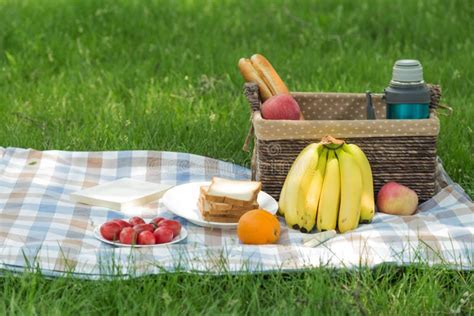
pixel 269 75
pixel 250 74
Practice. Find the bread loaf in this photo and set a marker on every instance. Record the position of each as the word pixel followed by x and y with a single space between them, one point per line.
pixel 250 74
pixel 269 75
pixel 226 200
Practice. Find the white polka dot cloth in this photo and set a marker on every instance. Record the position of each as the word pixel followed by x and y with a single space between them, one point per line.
pixel 341 115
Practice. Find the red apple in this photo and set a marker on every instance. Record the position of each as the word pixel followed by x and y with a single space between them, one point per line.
pixel 110 230
pixel 143 227
pixel 122 223
pixel 175 226
pixel 396 199
pixel 156 221
pixel 146 238
pixel 136 220
pixel 281 107
pixel 128 236
pixel 163 235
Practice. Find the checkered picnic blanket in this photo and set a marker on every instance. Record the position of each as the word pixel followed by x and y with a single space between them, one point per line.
pixel 40 228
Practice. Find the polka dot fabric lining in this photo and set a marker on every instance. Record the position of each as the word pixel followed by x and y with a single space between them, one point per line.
pixel 341 115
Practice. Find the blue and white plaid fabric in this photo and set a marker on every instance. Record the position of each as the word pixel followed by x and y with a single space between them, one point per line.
pixel 40 228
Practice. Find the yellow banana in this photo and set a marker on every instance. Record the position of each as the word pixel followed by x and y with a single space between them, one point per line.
pixel 351 192
pixel 306 160
pixel 310 190
pixel 367 207
pixel 328 208
pixel 282 199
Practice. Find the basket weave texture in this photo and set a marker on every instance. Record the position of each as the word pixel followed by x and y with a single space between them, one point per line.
pixel 398 150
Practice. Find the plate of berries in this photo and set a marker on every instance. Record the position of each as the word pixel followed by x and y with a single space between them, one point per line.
pixel 135 232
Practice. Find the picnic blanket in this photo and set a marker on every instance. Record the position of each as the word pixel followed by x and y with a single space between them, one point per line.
pixel 40 228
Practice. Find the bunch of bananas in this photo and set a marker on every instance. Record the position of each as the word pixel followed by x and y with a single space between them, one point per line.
pixel 329 185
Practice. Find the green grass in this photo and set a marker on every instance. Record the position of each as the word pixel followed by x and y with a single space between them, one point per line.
pixel 111 75
pixel 385 290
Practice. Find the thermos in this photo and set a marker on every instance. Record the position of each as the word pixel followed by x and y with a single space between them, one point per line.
pixel 407 96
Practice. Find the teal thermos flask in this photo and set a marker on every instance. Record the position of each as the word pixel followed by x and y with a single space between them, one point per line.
pixel 407 96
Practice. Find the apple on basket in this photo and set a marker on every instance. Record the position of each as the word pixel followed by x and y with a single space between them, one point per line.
pixel 281 107
pixel 396 199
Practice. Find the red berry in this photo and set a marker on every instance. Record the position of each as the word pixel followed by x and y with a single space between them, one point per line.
pixel 146 238
pixel 110 230
pixel 128 236
pixel 136 220
pixel 156 221
pixel 122 223
pixel 143 227
pixel 163 235
pixel 175 226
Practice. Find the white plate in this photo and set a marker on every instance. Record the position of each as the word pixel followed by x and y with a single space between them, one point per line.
pixel 182 201
pixel 182 236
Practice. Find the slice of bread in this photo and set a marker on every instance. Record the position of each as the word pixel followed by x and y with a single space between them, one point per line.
pixel 229 208
pixel 223 206
pixel 205 209
pixel 220 219
pixel 213 208
pixel 221 212
pixel 235 192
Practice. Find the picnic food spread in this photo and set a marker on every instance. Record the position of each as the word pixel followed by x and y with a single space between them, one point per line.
pixel 227 200
pixel 329 186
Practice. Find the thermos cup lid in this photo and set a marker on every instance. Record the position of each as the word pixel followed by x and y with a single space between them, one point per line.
pixel 407 70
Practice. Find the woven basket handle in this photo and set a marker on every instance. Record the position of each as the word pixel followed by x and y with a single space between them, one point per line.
pixel 253 97
pixel 435 104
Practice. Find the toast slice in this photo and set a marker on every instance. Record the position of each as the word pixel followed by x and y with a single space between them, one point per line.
pixel 206 214
pixel 223 206
pixel 224 213
pixel 207 208
pixel 235 192
pixel 220 219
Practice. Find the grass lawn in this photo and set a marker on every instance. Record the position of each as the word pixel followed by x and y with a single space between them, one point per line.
pixel 162 75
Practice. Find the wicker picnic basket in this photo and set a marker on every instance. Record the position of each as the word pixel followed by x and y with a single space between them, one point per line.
pixel 398 150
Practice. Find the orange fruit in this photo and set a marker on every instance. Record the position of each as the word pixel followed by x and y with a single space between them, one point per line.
pixel 258 227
